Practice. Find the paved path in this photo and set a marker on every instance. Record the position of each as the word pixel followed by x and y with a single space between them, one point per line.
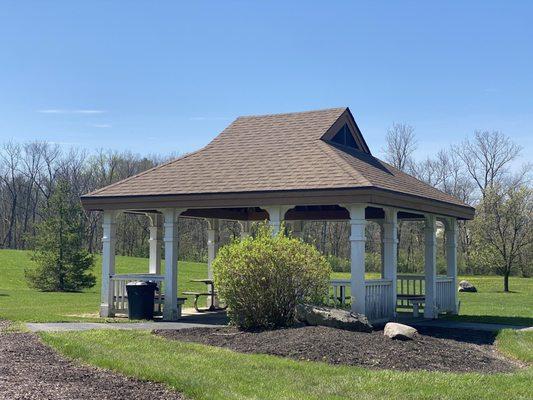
pixel 85 326
pixel 189 320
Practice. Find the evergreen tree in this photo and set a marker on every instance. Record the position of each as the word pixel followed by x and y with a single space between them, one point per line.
pixel 62 264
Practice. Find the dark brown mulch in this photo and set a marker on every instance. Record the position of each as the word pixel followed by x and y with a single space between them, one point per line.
pixel 31 370
pixel 369 350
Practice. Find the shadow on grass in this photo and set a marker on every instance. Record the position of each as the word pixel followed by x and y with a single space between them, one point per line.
pixel 493 319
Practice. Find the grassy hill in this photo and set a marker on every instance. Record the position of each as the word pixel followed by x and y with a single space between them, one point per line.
pixel 20 303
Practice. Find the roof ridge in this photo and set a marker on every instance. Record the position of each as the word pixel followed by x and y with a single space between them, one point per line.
pixel 293 113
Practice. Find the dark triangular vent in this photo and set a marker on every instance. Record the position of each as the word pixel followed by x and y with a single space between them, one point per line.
pixel 344 137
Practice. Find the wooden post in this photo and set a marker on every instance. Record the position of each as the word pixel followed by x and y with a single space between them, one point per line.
pixel 155 244
pixel 389 251
pixel 171 312
pixel 108 263
pixel 357 256
pixel 430 230
pixel 213 238
pixel 451 258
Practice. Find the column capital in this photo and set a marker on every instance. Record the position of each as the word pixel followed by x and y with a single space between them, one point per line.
pixel 213 223
pixel 355 210
pixel 110 216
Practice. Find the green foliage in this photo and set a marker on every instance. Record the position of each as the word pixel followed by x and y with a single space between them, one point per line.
pixel 502 237
pixel 263 278
pixel 62 264
pixel 338 264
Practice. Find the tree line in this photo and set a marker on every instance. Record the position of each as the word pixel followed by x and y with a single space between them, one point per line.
pixel 477 171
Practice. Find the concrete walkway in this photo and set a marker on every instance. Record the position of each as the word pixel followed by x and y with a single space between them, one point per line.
pixel 85 326
pixel 188 320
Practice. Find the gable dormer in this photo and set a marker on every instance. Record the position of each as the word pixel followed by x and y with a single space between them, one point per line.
pixel 346 134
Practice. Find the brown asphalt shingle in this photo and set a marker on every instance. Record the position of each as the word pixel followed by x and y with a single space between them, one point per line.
pixel 273 153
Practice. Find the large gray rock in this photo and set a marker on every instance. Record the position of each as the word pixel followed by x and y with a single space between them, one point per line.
pixel 332 317
pixel 465 286
pixel 399 331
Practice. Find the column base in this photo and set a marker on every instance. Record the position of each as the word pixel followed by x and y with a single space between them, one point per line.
pixel 106 311
pixel 174 315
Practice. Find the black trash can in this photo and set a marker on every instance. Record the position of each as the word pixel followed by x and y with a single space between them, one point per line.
pixel 141 299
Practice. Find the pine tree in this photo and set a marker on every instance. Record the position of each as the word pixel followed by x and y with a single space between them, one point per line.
pixel 62 264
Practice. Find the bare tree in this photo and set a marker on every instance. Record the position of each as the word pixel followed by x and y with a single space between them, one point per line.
pixel 487 157
pixel 401 143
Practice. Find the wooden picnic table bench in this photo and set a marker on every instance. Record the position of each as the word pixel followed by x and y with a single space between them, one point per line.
pixel 210 293
pixel 415 299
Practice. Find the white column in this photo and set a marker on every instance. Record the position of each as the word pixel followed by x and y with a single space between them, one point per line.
pixel 357 256
pixel 108 263
pixel 451 258
pixel 430 261
pixel 171 311
pixel 389 251
pixel 213 238
pixel 155 244
pixel 276 214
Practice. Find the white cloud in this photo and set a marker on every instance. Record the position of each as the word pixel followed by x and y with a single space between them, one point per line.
pixel 65 111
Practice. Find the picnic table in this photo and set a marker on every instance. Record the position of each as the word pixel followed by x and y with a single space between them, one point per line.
pixel 209 293
pixel 416 301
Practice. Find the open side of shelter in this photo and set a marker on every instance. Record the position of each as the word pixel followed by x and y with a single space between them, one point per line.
pixel 287 167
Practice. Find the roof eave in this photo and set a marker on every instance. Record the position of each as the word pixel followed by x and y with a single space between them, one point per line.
pixel 370 195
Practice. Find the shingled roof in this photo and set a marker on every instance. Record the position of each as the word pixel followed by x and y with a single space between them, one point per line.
pixel 281 153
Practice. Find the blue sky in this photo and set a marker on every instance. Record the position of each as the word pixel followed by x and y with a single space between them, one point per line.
pixel 162 77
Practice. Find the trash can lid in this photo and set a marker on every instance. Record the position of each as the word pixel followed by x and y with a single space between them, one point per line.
pixel 142 283
pixel 138 283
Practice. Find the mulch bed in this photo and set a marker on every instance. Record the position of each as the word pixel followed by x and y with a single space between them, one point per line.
pixel 31 370
pixel 431 350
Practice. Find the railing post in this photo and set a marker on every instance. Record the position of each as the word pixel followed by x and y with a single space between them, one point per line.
pixel 451 259
pixel 357 256
pixel 108 263
pixel 390 258
pixel 171 312
pixel 430 305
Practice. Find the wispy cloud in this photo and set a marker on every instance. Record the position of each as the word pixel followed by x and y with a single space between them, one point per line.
pixel 67 111
pixel 102 126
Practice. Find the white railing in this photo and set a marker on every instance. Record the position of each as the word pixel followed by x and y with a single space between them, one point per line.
pixel 120 297
pixel 378 295
pixel 445 295
pixel 378 299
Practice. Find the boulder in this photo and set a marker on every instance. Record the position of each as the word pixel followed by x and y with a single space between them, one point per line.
pixel 397 331
pixel 465 286
pixel 332 317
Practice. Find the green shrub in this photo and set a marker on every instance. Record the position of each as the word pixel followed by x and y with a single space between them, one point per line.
pixel 262 279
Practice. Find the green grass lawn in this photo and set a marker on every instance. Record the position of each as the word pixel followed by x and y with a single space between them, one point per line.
pixel 205 372
pixel 20 303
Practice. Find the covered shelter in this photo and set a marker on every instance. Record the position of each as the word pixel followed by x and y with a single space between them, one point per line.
pixel 291 167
